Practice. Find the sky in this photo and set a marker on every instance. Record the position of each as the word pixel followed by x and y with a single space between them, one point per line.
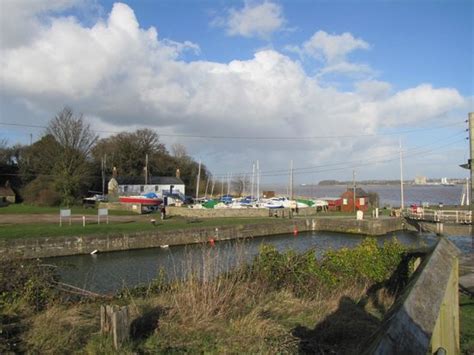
pixel 335 86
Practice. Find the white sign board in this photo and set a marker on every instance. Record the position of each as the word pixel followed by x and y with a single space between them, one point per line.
pixel 360 215
pixel 65 213
pixel 102 212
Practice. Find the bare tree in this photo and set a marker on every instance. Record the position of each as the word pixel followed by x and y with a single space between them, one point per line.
pixel 76 139
pixel 240 184
pixel 71 132
pixel 179 151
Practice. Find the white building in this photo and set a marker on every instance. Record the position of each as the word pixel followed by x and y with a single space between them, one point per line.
pixel 420 180
pixel 161 185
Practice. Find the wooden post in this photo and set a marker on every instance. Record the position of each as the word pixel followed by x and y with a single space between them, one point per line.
pixel 115 320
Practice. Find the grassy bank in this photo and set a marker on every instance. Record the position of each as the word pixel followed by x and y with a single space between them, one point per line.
pixel 38 230
pixel 75 210
pixel 280 303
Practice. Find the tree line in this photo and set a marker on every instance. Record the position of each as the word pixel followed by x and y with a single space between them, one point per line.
pixel 70 160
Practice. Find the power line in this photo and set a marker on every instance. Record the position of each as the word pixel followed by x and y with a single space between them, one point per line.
pixel 348 165
pixel 263 138
pixel 358 161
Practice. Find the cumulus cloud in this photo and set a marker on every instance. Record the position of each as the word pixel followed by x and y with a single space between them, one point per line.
pixel 253 20
pixel 332 50
pixel 20 20
pixel 124 76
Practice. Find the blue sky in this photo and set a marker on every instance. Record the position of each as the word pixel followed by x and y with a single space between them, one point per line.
pixel 348 71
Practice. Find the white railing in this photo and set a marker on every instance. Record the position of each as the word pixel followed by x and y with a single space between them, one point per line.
pixel 451 216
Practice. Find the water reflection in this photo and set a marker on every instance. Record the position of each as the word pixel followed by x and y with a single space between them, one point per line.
pixel 108 272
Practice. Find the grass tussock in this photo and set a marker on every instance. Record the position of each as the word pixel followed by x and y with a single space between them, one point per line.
pixel 280 303
pixel 61 329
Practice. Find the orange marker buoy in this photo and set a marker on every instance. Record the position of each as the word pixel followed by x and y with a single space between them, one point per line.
pixel 211 241
pixel 295 231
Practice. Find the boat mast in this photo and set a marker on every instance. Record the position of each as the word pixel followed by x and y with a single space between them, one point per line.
pixel 212 186
pixel 253 181
pixel 258 181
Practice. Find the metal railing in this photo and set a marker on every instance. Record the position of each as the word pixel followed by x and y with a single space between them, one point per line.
pixel 445 216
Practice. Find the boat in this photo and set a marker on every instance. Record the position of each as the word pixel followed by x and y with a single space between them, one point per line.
pixel 149 199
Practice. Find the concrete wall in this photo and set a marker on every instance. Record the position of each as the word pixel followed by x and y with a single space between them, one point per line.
pixel 441 228
pixel 61 246
pixel 235 212
pixel 426 317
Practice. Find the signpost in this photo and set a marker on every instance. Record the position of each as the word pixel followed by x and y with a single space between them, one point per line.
pixel 64 214
pixel 102 212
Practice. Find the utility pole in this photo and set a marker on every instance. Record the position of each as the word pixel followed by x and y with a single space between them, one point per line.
pixel 103 165
pixel 471 161
pixel 291 179
pixel 354 189
pixel 198 180
pixel 146 169
pixel 402 199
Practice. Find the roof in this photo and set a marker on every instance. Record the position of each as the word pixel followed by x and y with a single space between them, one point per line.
pixel 359 192
pixel 154 180
pixel 6 191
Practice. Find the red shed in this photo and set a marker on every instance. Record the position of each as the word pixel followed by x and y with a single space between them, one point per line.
pixel 361 203
pixel 334 203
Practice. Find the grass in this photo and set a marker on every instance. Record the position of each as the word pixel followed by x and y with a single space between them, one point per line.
pixel 79 210
pixel 466 306
pixel 242 311
pixel 38 230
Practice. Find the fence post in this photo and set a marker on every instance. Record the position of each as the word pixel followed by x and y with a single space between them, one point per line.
pixel 115 320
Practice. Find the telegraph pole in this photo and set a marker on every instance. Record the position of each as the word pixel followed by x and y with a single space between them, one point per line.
pixel 402 199
pixel 198 180
pixel 291 179
pixel 471 162
pixel 354 190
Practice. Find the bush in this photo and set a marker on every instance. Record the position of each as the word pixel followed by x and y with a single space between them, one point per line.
pixel 302 273
pixel 26 283
pixel 41 192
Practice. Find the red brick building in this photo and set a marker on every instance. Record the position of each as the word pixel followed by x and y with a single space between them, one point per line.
pixel 361 200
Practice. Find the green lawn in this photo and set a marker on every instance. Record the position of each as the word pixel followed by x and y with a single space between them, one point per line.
pixel 78 210
pixel 76 229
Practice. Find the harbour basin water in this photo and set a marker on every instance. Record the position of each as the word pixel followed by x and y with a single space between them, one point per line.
pixel 109 272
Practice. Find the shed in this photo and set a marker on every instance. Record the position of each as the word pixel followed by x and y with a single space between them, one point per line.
pixel 361 200
pixel 334 203
pixel 7 195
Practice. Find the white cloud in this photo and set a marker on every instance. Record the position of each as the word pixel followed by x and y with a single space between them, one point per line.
pixel 253 20
pixel 417 104
pixel 332 48
pixel 20 20
pixel 124 76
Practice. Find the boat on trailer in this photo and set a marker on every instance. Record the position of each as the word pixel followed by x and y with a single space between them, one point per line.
pixel 150 199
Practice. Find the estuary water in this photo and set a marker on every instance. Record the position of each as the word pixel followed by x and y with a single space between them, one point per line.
pixel 390 194
pixel 109 272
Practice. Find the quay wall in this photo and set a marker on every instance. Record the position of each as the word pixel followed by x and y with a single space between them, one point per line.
pixel 425 319
pixel 237 212
pixel 85 244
